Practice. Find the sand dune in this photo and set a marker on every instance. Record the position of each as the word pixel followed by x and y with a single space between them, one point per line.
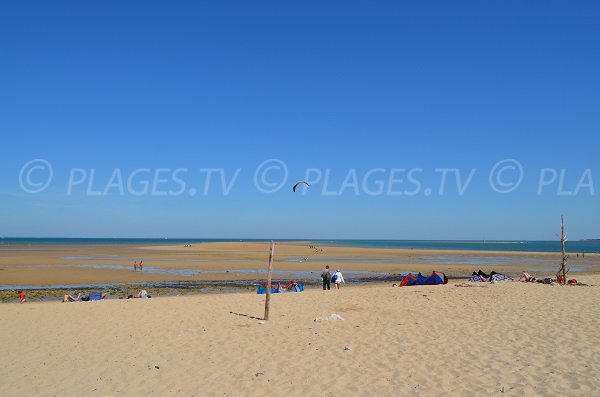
pixel 504 339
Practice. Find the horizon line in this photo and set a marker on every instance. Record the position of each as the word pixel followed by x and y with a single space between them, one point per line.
pixel 294 239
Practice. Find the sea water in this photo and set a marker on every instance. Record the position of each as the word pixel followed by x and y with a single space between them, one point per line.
pixel 587 246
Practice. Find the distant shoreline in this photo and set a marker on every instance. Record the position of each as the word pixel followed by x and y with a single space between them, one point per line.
pixel 587 246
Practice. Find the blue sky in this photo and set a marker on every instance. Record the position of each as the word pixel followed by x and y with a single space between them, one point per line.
pixel 318 85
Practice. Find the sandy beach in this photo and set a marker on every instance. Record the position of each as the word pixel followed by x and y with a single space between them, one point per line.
pixel 165 163
pixel 503 339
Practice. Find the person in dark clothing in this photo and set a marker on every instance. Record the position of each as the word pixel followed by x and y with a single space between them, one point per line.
pixel 326 276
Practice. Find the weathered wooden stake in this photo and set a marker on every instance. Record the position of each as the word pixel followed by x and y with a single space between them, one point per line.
pixel 269 273
pixel 562 270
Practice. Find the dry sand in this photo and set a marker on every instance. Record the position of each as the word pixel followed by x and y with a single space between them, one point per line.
pixel 504 339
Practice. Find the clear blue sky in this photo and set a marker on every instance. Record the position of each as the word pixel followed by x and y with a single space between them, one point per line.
pixel 336 85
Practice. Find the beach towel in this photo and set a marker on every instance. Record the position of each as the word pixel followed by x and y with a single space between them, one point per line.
pixel 95 296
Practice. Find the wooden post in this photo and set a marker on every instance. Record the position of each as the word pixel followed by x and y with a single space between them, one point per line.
pixel 562 270
pixel 269 274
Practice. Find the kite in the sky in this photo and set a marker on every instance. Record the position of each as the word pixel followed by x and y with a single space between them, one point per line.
pixel 297 183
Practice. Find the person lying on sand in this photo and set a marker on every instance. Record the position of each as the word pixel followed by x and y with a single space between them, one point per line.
pixel 527 278
pixel 71 298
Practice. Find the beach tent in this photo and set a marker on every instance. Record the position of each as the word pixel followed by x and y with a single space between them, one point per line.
pixel 483 277
pixel 292 286
pixel 436 278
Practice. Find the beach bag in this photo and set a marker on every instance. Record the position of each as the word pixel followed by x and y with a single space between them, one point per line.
pixel 334 278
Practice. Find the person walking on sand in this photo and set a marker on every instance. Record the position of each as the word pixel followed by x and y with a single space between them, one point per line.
pixel 22 297
pixel 135 266
pixel 326 276
pixel 337 279
pixel 141 265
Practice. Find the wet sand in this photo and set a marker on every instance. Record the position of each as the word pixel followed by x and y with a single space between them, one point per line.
pixel 90 264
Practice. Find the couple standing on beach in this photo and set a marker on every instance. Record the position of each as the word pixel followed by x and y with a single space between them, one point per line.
pixel 137 266
pixel 327 278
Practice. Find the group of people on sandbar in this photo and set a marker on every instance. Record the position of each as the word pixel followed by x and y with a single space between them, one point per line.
pixel 337 278
pixel 317 249
pixel 139 266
